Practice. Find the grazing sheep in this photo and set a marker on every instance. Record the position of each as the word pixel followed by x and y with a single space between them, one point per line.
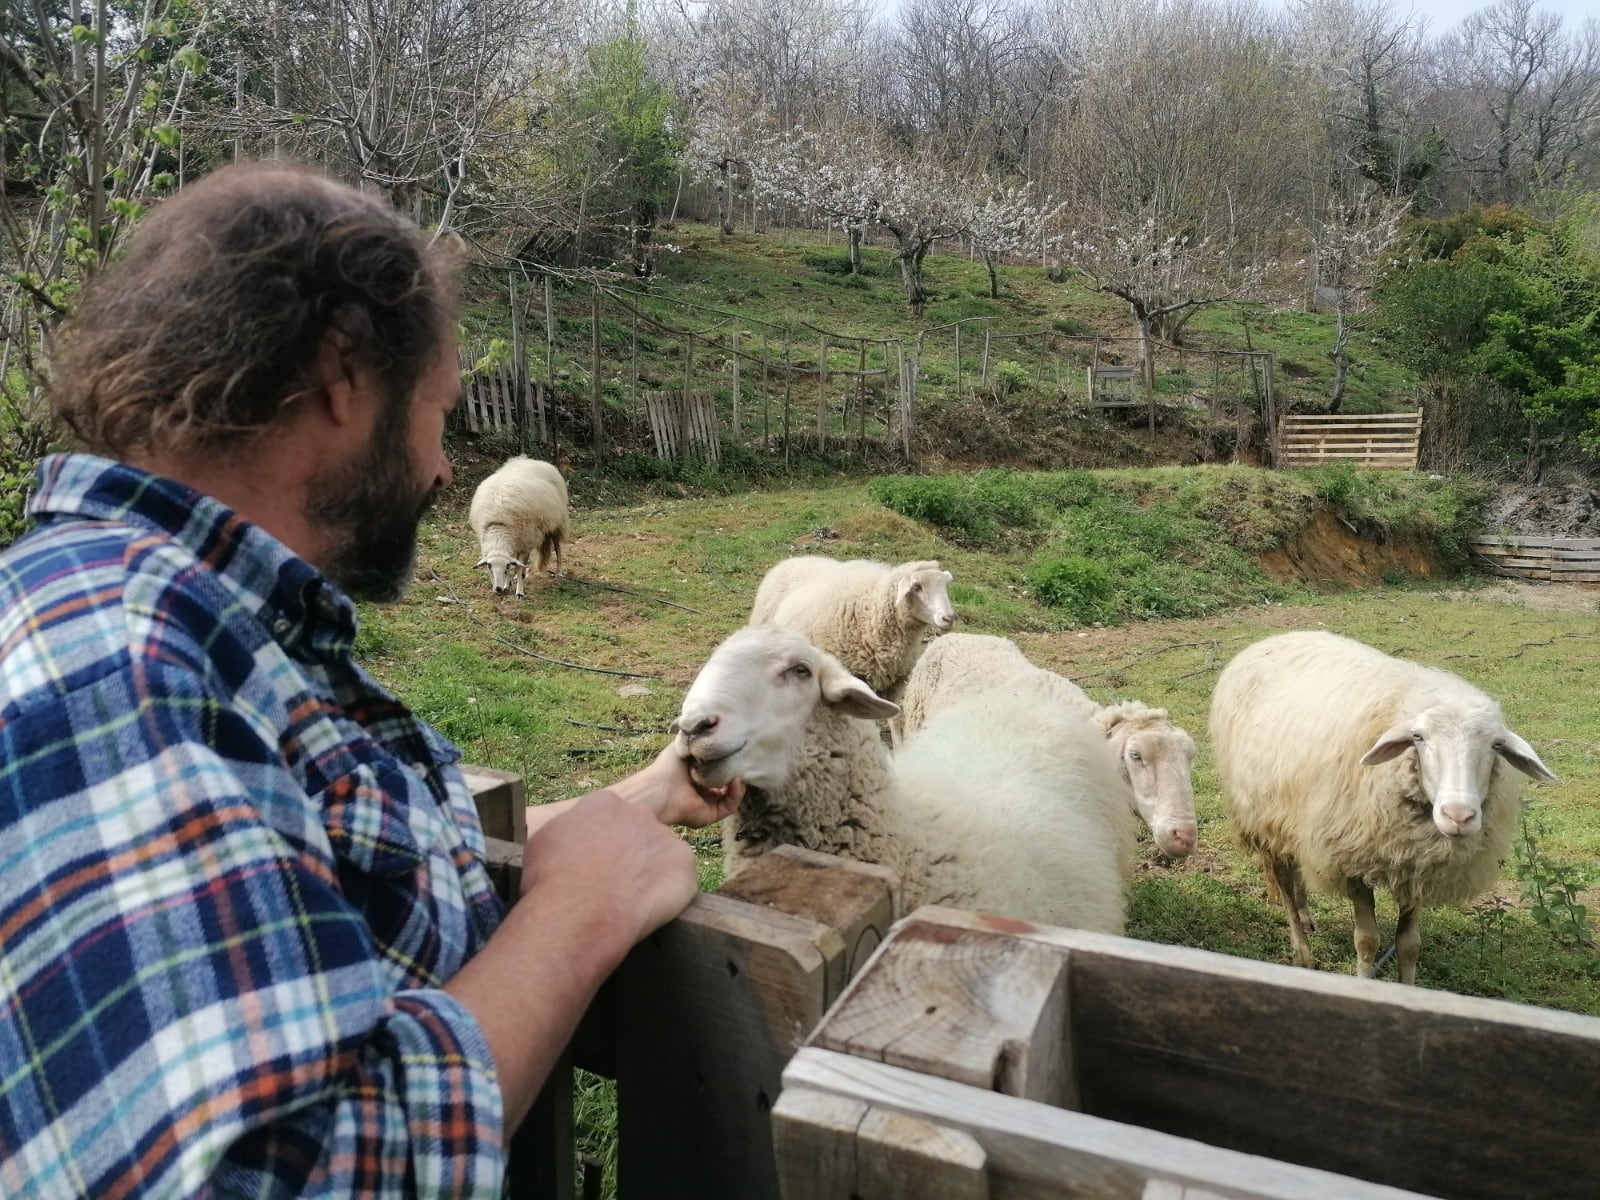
pixel 1000 804
pixel 1155 756
pixel 519 510
pixel 1348 771
pixel 874 617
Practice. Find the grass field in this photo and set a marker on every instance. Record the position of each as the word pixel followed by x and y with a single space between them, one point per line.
pixel 575 684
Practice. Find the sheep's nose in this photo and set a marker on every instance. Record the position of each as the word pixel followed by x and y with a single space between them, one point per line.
pixel 697 726
pixel 947 620
pixel 1455 818
pixel 1179 841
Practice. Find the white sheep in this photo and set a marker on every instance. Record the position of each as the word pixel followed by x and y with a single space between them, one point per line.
pixel 1156 757
pixel 874 617
pixel 1001 804
pixel 516 512
pixel 1346 771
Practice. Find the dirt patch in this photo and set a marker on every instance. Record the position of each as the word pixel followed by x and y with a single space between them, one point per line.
pixel 1328 551
pixel 1541 597
pixel 1558 511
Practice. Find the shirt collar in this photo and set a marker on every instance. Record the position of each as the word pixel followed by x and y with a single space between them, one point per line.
pixel 304 611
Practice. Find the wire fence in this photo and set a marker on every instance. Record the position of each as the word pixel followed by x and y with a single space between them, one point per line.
pixel 610 371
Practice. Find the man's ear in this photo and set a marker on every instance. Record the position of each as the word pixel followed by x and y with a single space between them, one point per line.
pixel 336 384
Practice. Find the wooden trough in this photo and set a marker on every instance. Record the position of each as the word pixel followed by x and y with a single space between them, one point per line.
pixel 1547 559
pixel 1380 440
pixel 977 1056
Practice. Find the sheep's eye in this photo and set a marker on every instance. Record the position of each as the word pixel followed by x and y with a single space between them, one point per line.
pixel 801 671
pixel 1418 738
pixel 1135 756
pixel 916 587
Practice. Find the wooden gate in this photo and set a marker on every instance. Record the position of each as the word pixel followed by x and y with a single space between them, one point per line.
pixel 1380 440
pixel 1548 559
pixel 683 425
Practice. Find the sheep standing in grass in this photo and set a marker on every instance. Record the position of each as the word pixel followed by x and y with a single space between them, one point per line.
pixel 1348 771
pixel 519 511
pixel 1000 804
pixel 1155 756
pixel 874 617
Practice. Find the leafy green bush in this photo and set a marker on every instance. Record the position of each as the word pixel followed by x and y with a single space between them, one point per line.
pixel 978 508
pixel 1006 377
pixel 829 262
pixel 1081 589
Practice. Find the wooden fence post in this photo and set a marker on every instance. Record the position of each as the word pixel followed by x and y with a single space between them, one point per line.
pixel 822 395
pixel 596 412
pixel 737 428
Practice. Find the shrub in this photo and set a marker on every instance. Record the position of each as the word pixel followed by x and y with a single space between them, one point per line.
pixel 1081 589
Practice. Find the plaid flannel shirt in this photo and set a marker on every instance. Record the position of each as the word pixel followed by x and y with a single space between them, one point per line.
pixel 234 873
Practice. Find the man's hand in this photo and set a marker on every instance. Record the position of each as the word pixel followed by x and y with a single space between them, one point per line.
pixel 665 788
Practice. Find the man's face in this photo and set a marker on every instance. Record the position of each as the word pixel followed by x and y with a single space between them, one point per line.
pixel 371 507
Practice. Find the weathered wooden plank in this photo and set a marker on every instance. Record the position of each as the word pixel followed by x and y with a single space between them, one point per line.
pixel 1259 1058
pixel 1042 1152
pixel 1337 421
pixel 814 1143
pixel 833 1148
pixel 709 1009
pixel 1536 540
pixel 971 1005
pixel 502 802
pixel 860 903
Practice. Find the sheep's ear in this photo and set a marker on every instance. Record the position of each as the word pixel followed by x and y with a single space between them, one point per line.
pixel 482 562
pixel 1520 755
pixel 1391 744
pixel 850 696
pixel 908 585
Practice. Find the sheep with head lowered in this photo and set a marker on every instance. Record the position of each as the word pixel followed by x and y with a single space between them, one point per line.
pixel 518 512
pixel 1155 756
pixel 873 616
pixel 1348 771
pixel 1001 804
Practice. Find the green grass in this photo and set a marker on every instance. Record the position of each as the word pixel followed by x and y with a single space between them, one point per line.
pixel 1169 540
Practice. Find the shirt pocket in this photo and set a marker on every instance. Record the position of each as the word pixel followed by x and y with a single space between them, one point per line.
pixel 370 819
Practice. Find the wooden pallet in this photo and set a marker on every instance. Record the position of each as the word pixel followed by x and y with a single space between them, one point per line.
pixel 684 426
pixel 1113 387
pixel 1549 559
pixel 1379 440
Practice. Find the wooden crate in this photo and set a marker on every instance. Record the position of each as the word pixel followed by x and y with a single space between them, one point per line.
pixel 1380 440
pixel 978 1056
pixel 1551 559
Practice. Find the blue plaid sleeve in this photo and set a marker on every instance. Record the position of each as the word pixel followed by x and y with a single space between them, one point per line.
pixel 189 1003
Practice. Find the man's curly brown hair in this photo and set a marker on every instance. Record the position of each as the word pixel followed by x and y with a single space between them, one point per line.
pixel 209 327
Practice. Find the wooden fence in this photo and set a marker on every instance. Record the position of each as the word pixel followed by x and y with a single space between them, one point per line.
pixel 1549 559
pixel 980 1056
pixel 684 425
pixel 788 1038
pixel 1381 440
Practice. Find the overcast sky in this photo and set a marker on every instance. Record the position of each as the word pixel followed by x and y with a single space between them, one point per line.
pixel 1444 15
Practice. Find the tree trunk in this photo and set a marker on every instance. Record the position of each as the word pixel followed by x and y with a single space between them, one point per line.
pixel 994 279
pixel 724 200
pixel 856 231
pixel 910 258
pixel 1341 360
pixel 1147 344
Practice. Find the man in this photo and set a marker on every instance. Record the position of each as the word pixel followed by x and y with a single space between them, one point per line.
pixel 247 943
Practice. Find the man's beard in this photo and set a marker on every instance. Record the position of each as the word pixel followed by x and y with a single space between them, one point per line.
pixel 370 511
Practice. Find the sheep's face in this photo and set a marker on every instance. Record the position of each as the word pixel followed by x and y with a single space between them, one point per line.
pixel 745 715
pixel 925 594
pixel 1156 760
pixel 504 573
pixel 1456 751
